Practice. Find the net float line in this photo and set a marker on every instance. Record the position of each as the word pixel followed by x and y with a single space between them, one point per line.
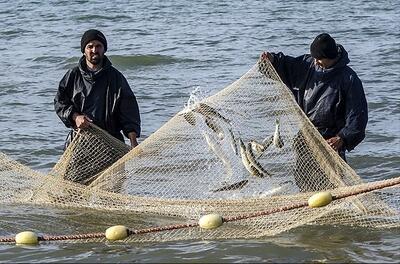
pixel 364 188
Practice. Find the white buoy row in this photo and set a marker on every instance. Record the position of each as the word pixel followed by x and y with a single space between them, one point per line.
pixel 209 221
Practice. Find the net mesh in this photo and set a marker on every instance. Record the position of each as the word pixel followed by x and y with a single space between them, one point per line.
pixel 246 149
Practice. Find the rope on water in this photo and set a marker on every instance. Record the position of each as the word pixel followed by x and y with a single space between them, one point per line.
pixel 365 188
pixel 72 237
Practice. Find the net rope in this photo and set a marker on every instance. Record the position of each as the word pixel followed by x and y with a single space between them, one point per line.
pixel 348 192
pixel 244 149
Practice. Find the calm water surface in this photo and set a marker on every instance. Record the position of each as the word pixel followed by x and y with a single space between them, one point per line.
pixel 166 49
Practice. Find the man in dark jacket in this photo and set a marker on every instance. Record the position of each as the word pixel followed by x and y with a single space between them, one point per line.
pixel 327 90
pixel 94 91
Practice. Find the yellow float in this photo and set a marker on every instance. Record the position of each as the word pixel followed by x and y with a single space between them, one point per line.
pixel 210 221
pixel 26 238
pixel 320 199
pixel 117 232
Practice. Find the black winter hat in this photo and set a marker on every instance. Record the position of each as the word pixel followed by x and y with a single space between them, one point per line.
pixel 324 47
pixel 92 34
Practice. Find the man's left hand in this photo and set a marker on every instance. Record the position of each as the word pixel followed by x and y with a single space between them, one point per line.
pixel 133 140
pixel 335 142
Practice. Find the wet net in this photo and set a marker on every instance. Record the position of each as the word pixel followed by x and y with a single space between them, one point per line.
pixel 247 153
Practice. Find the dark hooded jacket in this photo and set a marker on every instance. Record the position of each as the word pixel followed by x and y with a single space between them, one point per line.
pixel 333 99
pixel 104 96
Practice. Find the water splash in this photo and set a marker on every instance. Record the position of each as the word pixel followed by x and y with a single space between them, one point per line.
pixel 195 97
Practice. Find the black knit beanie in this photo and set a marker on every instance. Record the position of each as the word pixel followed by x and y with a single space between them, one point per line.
pixel 324 47
pixel 92 34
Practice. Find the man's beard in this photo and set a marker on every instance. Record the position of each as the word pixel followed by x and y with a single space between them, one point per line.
pixel 96 59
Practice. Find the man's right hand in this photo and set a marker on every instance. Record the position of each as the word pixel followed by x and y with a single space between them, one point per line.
pixel 267 56
pixel 262 65
pixel 81 121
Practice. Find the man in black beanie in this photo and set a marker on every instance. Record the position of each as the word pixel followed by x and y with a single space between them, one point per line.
pixel 93 34
pixel 327 90
pixel 95 92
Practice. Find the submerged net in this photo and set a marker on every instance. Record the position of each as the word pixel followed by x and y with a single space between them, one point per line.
pixel 247 149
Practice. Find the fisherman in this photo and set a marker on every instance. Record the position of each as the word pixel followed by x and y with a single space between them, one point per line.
pixel 327 90
pixel 95 92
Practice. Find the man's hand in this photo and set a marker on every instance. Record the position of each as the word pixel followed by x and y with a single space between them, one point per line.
pixel 262 65
pixel 336 143
pixel 132 138
pixel 81 121
pixel 267 56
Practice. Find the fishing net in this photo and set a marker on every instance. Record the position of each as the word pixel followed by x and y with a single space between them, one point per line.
pixel 247 153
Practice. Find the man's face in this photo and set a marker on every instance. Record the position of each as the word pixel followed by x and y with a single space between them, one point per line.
pixel 94 52
pixel 325 63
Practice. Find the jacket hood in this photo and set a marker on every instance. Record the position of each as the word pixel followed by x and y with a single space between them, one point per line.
pixel 344 58
pixel 89 75
pixel 324 74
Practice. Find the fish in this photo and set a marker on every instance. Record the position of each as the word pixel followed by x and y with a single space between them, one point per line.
pixel 215 147
pixel 252 159
pixel 249 161
pixel 245 160
pixel 190 118
pixel 257 147
pixel 278 142
pixel 271 192
pixel 213 125
pixel 209 111
pixel 261 148
pixel 235 186
pixel 283 187
pixel 267 142
pixel 233 142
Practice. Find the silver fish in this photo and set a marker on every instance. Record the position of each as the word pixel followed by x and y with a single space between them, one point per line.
pixel 252 159
pixel 278 142
pixel 219 152
pixel 209 111
pixel 235 186
pixel 249 161
pixel 213 125
pixel 233 142
pixel 190 118
pixel 263 146
pixel 245 160
pixel 267 142
pixel 257 147
pixel 283 187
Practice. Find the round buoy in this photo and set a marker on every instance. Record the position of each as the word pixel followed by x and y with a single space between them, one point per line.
pixel 210 221
pixel 117 232
pixel 26 238
pixel 320 199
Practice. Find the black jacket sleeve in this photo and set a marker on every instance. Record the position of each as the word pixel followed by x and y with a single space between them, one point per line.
pixel 129 116
pixel 292 70
pixel 356 113
pixel 62 101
